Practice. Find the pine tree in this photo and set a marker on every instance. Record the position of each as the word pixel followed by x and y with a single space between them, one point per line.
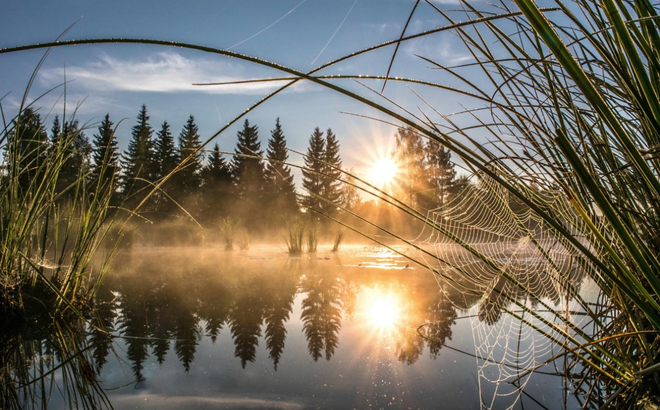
pixel 73 145
pixel 189 178
pixel 410 155
pixel 312 172
pixel 350 195
pixel 248 177
pixel 281 189
pixel 165 152
pixel 217 169
pixel 216 183
pixel 165 161
pixel 27 148
pixel 248 173
pixel 441 173
pixel 105 157
pixel 56 129
pixel 332 185
pixel 139 159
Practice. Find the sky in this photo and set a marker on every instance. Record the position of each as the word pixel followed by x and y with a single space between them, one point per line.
pixel 302 34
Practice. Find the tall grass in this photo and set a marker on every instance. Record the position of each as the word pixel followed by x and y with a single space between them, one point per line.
pixel 294 235
pixel 570 96
pixel 48 242
pixel 312 235
pixel 49 276
pixel 339 237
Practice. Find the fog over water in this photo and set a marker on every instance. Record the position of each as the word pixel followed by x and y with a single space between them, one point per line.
pixel 205 328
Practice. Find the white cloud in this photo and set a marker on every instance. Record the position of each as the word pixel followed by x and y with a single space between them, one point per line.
pixel 166 72
pixel 438 48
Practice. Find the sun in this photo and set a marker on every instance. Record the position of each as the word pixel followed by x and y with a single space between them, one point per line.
pixel 383 172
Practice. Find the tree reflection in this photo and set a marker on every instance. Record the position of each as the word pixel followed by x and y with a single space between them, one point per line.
pixel 173 308
pixel 103 327
pixel 245 322
pixel 322 310
pixel 441 318
pixel 133 326
pixel 278 307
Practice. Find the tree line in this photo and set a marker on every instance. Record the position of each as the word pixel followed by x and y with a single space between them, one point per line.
pixel 254 186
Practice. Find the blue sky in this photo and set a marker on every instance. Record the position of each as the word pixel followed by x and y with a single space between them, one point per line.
pixel 302 34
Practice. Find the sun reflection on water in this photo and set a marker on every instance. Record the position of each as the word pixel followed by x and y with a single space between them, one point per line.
pixel 384 312
pixel 382 308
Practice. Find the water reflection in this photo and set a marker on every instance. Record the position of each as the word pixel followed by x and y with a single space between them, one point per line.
pixel 383 308
pixel 165 308
pixel 158 307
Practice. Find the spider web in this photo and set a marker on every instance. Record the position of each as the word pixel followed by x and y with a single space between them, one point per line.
pixel 527 279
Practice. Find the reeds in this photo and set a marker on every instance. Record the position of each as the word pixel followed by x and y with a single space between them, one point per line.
pixel 312 236
pixel 228 228
pixel 244 240
pixel 339 237
pixel 294 235
pixel 49 233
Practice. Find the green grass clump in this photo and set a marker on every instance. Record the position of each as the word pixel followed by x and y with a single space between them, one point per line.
pixel 49 234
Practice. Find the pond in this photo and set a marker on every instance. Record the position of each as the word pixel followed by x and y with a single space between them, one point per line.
pixel 362 328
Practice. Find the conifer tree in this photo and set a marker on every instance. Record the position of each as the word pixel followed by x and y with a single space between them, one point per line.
pixel 332 186
pixel 27 149
pixel 105 156
pixel 248 176
pixel 350 194
pixel 410 155
pixel 216 184
pixel 138 161
pixel 441 173
pixel 217 169
pixel 312 172
pixel 189 178
pixel 280 187
pixel 248 173
pixel 165 161
pixel 55 130
pixel 165 152
pixel 71 142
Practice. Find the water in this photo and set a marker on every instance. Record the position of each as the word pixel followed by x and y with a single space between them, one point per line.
pixel 205 328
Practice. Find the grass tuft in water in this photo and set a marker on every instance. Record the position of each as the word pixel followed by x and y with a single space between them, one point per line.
pixel 339 237
pixel 312 236
pixel 294 235
pixel 228 227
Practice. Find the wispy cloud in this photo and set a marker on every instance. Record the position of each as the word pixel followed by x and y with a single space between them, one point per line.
pixel 166 72
pixel 437 48
pixel 380 28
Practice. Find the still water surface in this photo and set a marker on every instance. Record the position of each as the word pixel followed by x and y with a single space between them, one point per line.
pixel 205 328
